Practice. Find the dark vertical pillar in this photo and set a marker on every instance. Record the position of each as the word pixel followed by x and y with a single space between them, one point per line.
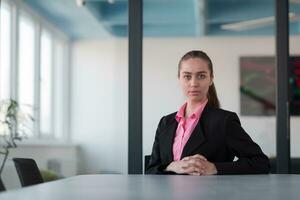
pixel 135 142
pixel 282 111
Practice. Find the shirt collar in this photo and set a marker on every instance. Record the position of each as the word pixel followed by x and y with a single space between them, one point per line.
pixel 196 114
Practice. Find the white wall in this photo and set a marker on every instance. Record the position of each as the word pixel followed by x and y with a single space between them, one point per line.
pixel 99 105
pixel 99 97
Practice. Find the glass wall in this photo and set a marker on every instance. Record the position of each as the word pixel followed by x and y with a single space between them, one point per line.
pixel 239 38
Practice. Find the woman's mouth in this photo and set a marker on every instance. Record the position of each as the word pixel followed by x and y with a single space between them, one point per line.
pixel 194 92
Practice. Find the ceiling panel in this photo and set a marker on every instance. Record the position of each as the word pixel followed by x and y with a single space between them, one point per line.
pixel 162 18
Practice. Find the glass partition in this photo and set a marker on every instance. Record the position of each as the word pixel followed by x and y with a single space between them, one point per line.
pixel 238 36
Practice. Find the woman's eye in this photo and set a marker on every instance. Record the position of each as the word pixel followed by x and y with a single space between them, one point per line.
pixel 187 77
pixel 201 76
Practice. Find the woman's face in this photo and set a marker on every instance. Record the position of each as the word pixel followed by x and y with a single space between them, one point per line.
pixel 195 79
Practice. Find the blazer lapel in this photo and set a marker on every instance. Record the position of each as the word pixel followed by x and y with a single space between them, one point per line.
pixel 197 137
pixel 167 138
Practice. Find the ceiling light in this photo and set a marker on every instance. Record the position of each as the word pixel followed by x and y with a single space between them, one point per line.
pixel 80 3
pixel 255 23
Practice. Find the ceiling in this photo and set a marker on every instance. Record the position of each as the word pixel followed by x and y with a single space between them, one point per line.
pixel 162 18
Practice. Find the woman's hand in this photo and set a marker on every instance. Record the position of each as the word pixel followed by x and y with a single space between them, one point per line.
pixel 184 167
pixel 207 168
pixel 193 165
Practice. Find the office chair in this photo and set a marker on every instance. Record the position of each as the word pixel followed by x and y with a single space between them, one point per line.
pixel 2 187
pixel 147 160
pixel 295 165
pixel 28 171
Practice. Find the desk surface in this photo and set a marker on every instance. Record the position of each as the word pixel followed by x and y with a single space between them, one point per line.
pixel 136 187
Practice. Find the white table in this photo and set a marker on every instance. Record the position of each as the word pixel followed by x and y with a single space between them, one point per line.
pixel 136 187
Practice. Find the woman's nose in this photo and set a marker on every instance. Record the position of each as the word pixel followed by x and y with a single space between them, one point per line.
pixel 194 82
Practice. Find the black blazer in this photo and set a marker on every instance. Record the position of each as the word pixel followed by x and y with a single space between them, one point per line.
pixel 218 136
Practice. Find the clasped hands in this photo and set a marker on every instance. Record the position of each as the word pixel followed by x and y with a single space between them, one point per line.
pixel 196 165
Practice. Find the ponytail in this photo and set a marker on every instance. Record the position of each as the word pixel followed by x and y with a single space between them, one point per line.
pixel 212 97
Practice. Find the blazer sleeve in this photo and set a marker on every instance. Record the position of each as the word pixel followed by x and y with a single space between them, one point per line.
pixel 251 159
pixel 156 166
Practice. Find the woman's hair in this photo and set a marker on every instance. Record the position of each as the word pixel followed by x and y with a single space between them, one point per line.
pixel 212 97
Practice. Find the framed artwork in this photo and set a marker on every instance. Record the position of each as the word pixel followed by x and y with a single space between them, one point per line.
pixel 258 85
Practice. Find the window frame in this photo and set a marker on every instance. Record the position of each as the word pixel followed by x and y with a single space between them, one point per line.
pixel 17 9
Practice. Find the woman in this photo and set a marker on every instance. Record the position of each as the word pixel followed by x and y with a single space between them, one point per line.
pixel 201 138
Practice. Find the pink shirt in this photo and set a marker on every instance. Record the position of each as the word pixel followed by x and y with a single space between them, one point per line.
pixel 185 128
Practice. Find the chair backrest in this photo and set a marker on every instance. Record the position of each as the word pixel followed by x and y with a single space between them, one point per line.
pixel 28 171
pixel 2 187
pixel 147 160
pixel 294 165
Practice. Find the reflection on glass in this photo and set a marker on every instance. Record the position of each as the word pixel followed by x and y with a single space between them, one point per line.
pixel 5 47
pixel 45 80
pixel 26 64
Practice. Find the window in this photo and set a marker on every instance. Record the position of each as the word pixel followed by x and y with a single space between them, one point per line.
pixel 59 74
pixel 26 64
pixel 33 52
pixel 5 49
pixel 46 83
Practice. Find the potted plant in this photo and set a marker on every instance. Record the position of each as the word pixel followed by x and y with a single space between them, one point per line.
pixel 13 127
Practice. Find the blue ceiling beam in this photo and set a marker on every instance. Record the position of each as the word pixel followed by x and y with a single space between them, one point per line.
pixel 156 12
pixel 156 31
pixel 176 11
pixel 170 15
pixel 185 30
